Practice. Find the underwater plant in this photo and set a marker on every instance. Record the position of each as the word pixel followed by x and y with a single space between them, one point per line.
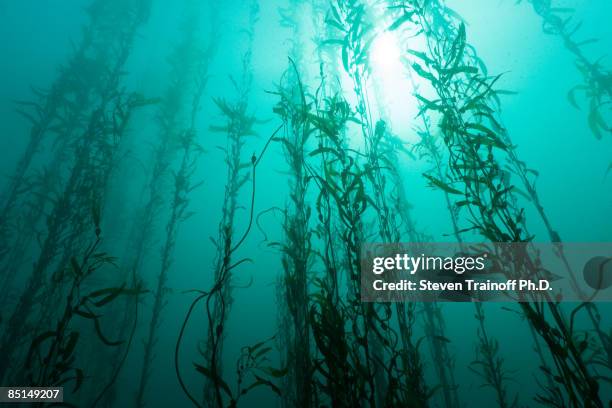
pixel 178 135
pixel 347 379
pixel 327 57
pixel 597 85
pixel 346 356
pixel 70 204
pixel 53 354
pixel 597 88
pixel 433 316
pixel 221 386
pixel 237 128
pixel 58 118
pixel 296 247
pixel 45 112
pixel 350 18
pixel 339 177
pixel 462 94
pixel 183 186
pixel 523 172
pixel 489 365
pixel 491 368
pixel 297 257
pixel 442 18
pixel 392 149
pixel 345 330
pixel 252 363
pixel 90 170
pixel 442 359
pixel 217 299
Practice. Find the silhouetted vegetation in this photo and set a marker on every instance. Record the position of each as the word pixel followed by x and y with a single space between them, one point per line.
pixel 128 167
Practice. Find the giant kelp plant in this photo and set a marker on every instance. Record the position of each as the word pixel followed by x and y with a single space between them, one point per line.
pixel 237 128
pixel 178 138
pixel 474 166
pixel 61 114
pixel 93 158
pixel 202 178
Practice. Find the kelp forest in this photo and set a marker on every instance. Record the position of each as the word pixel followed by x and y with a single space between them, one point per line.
pixel 187 188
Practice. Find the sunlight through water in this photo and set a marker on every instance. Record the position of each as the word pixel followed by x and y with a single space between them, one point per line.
pixel 392 88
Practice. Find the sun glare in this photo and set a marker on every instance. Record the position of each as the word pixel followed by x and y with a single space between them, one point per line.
pixel 391 86
pixel 385 52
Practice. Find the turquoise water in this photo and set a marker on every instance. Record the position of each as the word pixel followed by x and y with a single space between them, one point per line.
pixel 236 54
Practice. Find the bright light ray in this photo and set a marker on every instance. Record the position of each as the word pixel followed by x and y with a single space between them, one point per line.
pixel 392 88
pixel 385 53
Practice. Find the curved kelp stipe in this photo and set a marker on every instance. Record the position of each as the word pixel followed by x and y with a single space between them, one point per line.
pixel 217 381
